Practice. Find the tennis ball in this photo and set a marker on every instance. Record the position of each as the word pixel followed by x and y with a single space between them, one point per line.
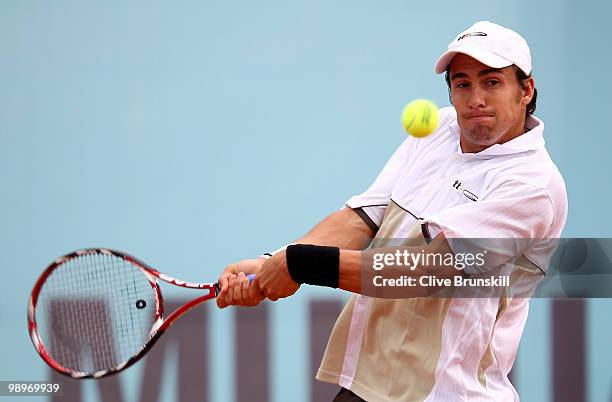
pixel 420 117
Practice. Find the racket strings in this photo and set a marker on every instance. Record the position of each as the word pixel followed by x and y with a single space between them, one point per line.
pixel 94 312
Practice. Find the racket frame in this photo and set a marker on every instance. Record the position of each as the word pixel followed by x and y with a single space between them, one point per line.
pixel 160 323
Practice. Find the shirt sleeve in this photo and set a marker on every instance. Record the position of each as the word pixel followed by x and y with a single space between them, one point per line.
pixel 375 199
pixel 508 221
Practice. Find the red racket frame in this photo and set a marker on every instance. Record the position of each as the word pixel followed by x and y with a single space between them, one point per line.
pixel 160 323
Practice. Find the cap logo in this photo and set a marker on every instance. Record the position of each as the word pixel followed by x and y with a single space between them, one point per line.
pixel 466 35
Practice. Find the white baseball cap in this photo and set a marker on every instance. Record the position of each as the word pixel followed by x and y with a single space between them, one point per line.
pixel 490 44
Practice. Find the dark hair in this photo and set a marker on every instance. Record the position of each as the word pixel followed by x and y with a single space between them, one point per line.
pixel 521 77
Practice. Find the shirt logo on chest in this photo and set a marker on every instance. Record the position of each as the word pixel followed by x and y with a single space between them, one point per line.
pixel 468 194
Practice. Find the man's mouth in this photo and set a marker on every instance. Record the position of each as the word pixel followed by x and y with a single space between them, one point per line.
pixel 479 117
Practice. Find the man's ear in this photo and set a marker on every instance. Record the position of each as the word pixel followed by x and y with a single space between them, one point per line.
pixel 528 90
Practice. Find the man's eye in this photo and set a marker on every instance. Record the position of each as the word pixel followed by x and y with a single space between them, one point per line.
pixel 462 85
pixel 492 83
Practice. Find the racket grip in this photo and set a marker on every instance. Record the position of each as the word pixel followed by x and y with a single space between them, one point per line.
pixel 217 289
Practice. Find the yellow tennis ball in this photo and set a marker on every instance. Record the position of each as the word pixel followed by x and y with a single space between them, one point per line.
pixel 420 117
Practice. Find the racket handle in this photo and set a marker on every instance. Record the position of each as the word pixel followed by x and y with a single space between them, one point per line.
pixel 217 288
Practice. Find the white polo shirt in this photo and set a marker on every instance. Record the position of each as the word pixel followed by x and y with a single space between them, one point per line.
pixel 458 349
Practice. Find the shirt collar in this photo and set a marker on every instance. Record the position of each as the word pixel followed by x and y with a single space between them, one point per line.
pixel 529 141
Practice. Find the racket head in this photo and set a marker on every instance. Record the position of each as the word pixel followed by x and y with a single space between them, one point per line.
pixel 95 312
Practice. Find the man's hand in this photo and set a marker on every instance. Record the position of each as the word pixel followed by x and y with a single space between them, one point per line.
pixel 273 280
pixel 235 285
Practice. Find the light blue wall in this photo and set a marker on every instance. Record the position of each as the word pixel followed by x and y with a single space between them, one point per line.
pixel 194 134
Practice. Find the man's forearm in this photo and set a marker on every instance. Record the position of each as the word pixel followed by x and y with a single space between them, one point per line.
pixel 354 263
pixel 344 229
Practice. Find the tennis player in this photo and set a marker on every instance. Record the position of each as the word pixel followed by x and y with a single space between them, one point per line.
pixel 484 173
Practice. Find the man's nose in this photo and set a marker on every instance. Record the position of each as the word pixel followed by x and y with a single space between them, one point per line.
pixel 477 98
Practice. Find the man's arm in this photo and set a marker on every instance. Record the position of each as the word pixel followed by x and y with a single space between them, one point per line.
pixel 275 282
pixel 353 264
pixel 344 229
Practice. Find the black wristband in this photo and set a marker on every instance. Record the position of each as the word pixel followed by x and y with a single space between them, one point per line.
pixel 314 265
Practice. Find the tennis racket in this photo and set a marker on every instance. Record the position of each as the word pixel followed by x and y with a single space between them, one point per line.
pixel 95 312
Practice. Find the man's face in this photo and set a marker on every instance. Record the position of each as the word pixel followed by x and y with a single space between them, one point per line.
pixel 490 102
